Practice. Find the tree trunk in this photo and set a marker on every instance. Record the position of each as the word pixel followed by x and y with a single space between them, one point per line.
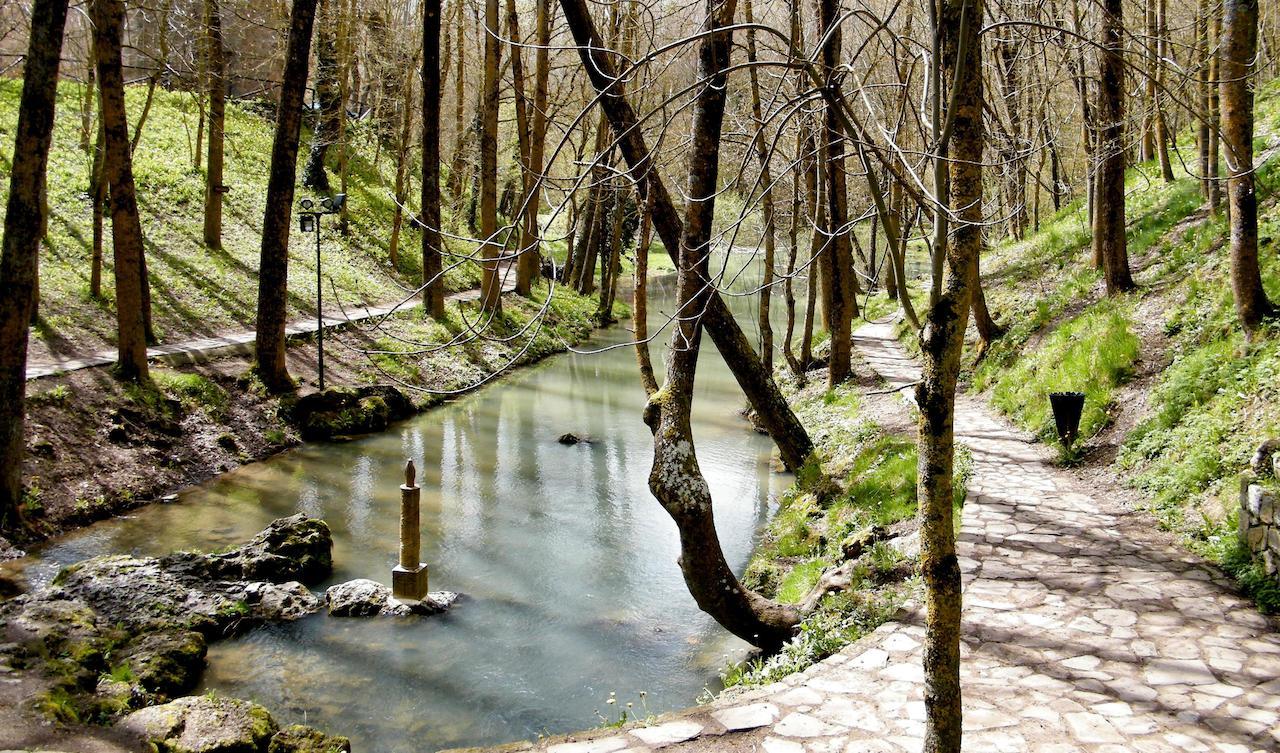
pixel 640 301
pixel 19 253
pixel 404 144
pixel 676 480
pixel 213 188
pixel 273 266
pixel 1238 54
pixel 491 285
pixel 941 343
pixel 837 261
pixel 1215 120
pixel 432 240
pixel 329 116
pixel 768 401
pixel 1109 240
pixel 527 263
pixel 126 228
pixel 1162 125
pixel 98 200
pixel 766 199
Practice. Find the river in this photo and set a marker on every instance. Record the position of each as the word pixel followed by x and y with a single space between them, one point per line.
pixel 567 563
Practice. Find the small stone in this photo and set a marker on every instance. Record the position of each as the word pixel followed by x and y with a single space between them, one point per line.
pixel 667 734
pixel 778 745
pixel 598 745
pixel 299 738
pixel 203 724
pixel 747 717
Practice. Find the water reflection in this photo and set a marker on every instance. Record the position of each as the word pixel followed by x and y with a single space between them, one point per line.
pixel 568 562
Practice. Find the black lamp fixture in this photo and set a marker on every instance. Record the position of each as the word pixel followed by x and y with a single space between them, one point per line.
pixel 309 222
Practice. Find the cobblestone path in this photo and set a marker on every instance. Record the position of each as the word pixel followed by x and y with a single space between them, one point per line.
pixel 1081 633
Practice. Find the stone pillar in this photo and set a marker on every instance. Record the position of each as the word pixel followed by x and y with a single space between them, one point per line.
pixel 409 578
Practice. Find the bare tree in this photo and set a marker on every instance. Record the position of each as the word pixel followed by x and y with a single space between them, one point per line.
pixel 432 240
pixel 1109 241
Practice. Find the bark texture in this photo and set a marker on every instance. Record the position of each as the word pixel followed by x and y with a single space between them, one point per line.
pixel 941 343
pixel 19 254
pixel 273 265
pixel 1109 241
pixel 1239 52
pixel 432 242
pixel 117 167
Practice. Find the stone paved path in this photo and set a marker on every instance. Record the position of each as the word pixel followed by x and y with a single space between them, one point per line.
pixel 203 349
pixel 1081 633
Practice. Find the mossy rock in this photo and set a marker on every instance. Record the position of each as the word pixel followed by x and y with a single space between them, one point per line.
pixel 343 411
pixel 167 663
pixel 299 738
pixel 204 724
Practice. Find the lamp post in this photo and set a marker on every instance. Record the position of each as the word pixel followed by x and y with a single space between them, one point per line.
pixel 309 222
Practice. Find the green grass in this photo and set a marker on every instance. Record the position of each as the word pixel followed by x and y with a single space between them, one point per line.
pixel 196 291
pixel 1092 353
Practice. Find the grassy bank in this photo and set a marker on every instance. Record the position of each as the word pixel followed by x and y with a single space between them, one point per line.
pixel 856 503
pixel 197 291
pixel 1174 391
pixel 97 446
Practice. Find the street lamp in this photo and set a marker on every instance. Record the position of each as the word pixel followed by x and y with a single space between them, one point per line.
pixel 309 222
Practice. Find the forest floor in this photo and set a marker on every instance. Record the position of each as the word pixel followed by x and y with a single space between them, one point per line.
pixel 1085 629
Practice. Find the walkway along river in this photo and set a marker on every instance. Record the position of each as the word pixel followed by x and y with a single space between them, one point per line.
pixel 568 564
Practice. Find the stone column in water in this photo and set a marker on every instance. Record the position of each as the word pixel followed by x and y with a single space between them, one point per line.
pixel 409 578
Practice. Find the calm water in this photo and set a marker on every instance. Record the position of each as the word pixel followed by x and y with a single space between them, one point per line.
pixel 567 562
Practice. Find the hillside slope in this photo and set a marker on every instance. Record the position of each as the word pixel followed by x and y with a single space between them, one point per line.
pixel 1177 400
pixel 197 291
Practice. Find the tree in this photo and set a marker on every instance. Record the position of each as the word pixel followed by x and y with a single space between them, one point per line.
pixel 794 444
pixel 676 479
pixel 330 116
pixel 1109 242
pixel 19 254
pixel 766 197
pixel 1238 54
pixel 117 171
pixel 941 343
pixel 840 291
pixel 273 265
pixel 490 284
pixel 432 241
pixel 217 72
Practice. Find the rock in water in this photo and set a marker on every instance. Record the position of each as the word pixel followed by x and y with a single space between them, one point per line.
pixel 204 724
pixel 569 438
pixel 341 411
pixel 299 738
pixel 366 598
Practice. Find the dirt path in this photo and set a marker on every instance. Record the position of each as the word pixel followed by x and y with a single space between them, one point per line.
pixel 1082 632
pixel 232 343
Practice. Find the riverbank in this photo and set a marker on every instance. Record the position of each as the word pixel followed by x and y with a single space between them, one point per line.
pixel 97 447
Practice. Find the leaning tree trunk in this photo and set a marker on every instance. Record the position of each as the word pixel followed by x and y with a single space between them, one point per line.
pixel 432 240
pixel 640 301
pixel 217 72
pixel 1239 52
pixel 770 405
pixel 126 228
pixel 1109 240
pixel 941 342
pixel 273 265
pixel 19 254
pixel 676 480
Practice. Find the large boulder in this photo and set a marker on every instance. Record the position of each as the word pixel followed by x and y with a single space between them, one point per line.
pixel 210 593
pixel 299 738
pixel 343 411
pixel 204 724
pixel 365 598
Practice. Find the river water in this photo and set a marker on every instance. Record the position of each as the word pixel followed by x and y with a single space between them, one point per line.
pixel 567 563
